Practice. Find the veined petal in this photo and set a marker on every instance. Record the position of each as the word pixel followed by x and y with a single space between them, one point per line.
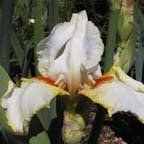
pixel 116 96
pixel 52 46
pixel 25 101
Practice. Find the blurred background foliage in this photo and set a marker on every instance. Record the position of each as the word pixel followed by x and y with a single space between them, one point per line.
pixel 26 34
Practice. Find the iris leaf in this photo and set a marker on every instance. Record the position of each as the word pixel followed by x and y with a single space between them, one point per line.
pixel 41 138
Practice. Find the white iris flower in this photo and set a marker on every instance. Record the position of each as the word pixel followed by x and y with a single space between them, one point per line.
pixel 68 60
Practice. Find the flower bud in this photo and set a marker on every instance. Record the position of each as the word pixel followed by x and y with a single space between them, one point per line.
pixel 126 35
pixel 72 131
pixel 115 4
pixel 126 22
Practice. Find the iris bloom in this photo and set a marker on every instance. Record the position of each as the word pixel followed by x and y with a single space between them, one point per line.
pixel 68 60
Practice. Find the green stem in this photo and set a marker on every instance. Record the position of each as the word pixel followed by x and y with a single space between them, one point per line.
pixel 38 27
pixel 7 8
pixel 60 114
pixel 17 48
pixel 53 13
pixel 139 63
pixel 108 61
pixel 111 40
pixel 97 126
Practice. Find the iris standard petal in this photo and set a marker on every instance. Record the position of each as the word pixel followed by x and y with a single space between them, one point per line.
pixel 25 101
pixel 77 53
pixel 93 46
pixel 117 96
pixel 49 48
pixel 83 48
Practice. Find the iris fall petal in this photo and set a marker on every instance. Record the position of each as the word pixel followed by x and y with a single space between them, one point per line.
pixel 25 101
pixel 118 94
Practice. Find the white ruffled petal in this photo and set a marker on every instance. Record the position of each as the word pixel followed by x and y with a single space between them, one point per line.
pixel 49 48
pixel 77 53
pixel 93 46
pixel 116 96
pixel 83 48
pixel 24 102
pixel 86 49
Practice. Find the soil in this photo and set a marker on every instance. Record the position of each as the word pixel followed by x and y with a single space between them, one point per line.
pixel 108 137
pixel 122 128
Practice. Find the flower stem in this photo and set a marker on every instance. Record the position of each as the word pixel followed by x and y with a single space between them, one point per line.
pixel 38 28
pixel 53 13
pixel 97 126
pixel 111 40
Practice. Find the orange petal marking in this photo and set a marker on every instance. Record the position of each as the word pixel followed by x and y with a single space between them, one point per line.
pixel 46 80
pixel 103 80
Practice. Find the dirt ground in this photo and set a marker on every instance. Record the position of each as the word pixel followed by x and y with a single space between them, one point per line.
pixel 122 128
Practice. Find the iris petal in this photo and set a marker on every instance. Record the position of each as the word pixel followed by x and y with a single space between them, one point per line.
pixel 122 76
pixel 49 48
pixel 25 101
pixel 118 94
pixel 82 46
